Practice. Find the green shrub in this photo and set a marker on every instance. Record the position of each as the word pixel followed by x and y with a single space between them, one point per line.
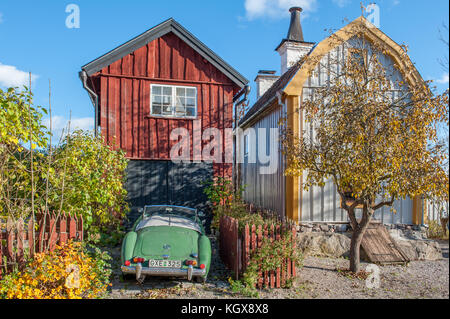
pixel 435 230
pixel 93 174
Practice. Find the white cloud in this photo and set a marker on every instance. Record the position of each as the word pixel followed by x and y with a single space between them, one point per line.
pixel 341 3
pixel 60 123
pixel 443 79
pixel 11 76
pixel 275 8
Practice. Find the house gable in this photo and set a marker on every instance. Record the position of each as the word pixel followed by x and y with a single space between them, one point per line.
pixel 373 34
pixel 168 26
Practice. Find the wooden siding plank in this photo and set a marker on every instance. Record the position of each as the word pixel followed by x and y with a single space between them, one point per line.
pixel 125 98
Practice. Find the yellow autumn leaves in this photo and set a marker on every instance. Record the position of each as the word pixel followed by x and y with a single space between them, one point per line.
pixel 66 273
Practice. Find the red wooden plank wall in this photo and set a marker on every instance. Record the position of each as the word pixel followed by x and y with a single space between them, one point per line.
pixel 125 98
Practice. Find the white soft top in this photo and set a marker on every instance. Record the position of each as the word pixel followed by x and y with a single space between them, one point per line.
pixel 168 220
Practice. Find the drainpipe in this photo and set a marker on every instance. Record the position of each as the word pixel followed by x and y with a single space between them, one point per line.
pixel 93 96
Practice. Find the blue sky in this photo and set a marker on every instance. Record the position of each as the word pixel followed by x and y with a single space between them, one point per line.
pixel 34 37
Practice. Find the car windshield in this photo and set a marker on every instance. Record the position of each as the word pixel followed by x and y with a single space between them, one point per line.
pixel 185 212
pixel 169 216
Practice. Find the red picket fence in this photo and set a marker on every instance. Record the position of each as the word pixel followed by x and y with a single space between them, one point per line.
pixel 236 249
pixel 17 242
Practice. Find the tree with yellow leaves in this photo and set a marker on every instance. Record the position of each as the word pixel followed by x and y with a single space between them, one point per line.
pixel 374 135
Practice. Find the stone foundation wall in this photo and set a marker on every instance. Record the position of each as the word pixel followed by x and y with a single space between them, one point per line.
pixel 333 240
pixel 345 227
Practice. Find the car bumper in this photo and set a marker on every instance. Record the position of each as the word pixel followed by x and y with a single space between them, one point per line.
pixel 141 271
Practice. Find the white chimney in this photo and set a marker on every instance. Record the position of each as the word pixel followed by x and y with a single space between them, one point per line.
pixel 293 48
pixel 264 81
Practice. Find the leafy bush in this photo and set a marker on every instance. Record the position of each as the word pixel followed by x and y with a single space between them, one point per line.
pixel 268 257
pixel 82 175
pixel 71 271
pixel 93 174
pixel 436 231
pixel 224 200
pixel 21 130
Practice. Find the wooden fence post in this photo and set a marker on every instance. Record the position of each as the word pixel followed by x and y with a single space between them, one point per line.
pixel 277 237
pixel 20 239
pixel 42 227
pixel 246 246
pixel 272 272
pixel 63 228
pixel 53 235
pixel 259 244
pixel 80 228
pixel 266 273
pixel 294 235
pixel 31 241
pixel 237 256
pixel 72 227
pixel 10 242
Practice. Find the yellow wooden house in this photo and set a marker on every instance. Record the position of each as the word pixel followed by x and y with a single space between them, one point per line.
pixel 304 66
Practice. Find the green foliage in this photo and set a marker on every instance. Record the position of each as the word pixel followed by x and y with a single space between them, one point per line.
pixel 436 231
pixel 21 129
pixel 82 175
pixel 223 199
pixel 219 191
pixel 102 261
pixel 268 257
pixel 20 121
pixel 238 210
pixel 93 181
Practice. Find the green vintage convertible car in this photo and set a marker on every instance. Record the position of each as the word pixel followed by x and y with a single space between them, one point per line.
pixel 167 240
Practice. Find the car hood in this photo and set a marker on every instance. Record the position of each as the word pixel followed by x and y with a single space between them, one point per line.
pixel 154 242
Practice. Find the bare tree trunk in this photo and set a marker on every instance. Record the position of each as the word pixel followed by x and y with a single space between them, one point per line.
pixel 359 230
pixel 355 245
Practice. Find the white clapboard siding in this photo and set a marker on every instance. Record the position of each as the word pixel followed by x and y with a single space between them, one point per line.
pixel 265 190
pixel 322 204
pixel 435 211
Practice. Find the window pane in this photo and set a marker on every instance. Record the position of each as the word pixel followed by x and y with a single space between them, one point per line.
pixel 181 92
pixel 181 101
pixel 167 110
pixel 190 92
pixel 180 108
pixel 167 90
pixel 156 90
pixel 156 99
pixel 156 109
pixel 190 101
pixel 190 111
pixel 167 105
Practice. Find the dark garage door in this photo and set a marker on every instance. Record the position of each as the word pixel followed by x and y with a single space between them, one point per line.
pixel 165 182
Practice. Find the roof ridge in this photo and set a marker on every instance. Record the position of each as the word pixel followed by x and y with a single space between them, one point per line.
pixel 169 25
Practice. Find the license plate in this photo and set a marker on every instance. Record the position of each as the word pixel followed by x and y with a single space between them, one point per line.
pixel 164 263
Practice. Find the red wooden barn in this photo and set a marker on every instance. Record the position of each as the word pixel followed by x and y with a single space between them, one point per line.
pixel 163 79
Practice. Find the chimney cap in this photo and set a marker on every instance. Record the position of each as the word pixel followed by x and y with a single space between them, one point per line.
pixel 267 72
pixel 295 9
pixel 295 32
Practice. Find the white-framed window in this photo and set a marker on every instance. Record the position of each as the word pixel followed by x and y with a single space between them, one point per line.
pixel 173 101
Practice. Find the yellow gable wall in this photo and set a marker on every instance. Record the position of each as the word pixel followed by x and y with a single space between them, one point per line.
pixel 294 90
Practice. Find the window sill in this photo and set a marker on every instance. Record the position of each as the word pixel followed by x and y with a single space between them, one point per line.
pixel 165 117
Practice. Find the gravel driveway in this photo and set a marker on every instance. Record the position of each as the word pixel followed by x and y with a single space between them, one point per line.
pixel 317 279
